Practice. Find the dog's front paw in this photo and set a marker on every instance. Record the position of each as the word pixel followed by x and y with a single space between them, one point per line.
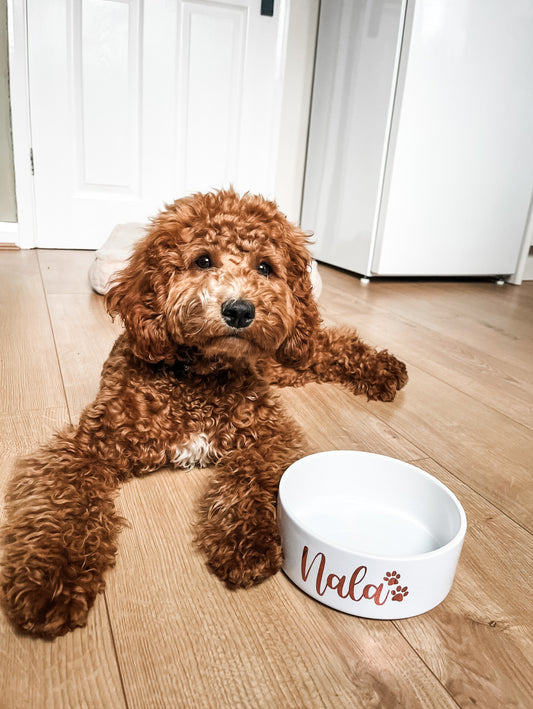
pixel 386 376
pixel 45 603
pixel 242 556
pixel 256 564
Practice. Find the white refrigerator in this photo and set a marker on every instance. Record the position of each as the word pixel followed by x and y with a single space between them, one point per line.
pixel 420 154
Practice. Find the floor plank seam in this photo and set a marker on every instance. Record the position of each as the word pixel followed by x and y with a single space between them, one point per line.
pixel 477 400
pixel 51 323
pixel 397 625
pixel 115 650
pixel 479 495
pixel 413 323
pixel 428 454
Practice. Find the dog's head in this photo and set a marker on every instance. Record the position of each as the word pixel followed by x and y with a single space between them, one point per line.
pixel 222 274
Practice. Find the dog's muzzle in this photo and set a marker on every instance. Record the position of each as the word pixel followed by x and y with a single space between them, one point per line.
pixel 238 313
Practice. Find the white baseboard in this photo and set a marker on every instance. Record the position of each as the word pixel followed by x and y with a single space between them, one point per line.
pixel 9 233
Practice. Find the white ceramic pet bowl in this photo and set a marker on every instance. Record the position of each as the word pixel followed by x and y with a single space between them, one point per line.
pixel 369 535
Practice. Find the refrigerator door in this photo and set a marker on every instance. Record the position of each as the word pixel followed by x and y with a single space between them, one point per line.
pixel 460 165
pixel 355 75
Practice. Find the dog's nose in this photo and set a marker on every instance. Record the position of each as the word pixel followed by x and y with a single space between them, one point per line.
pixel 238 313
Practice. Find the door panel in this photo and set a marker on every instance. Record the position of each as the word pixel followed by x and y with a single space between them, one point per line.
pixel 136 103
pixel 209 135
pixel 106 89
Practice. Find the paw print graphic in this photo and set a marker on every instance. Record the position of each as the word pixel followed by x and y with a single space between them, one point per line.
pixel 392 578
pixel 400 593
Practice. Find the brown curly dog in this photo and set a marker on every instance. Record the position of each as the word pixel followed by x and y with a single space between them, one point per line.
pixel 217 305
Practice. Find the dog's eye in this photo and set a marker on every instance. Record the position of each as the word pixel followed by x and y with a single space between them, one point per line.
pixel 264 269
pixel 203 262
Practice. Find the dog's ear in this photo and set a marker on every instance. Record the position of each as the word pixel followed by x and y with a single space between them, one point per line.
pixel 133 296
pixel 298 347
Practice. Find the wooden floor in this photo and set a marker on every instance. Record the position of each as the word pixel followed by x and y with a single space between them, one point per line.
pixel 168 634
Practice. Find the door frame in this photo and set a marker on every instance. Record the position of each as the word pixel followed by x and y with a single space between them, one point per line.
pixel 295 111
pixel 20 119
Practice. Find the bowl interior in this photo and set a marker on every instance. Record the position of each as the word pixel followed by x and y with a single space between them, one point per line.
pixel 371 504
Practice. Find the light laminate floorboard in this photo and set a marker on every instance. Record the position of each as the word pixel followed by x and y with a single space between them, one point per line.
pixel 168 634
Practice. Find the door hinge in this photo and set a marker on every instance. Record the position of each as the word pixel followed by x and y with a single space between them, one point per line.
pixel 31 162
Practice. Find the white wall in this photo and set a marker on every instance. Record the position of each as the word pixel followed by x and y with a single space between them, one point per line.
pixel 8 206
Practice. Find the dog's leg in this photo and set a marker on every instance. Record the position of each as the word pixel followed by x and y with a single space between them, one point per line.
pixel 339 355
pixel 238 529
pixel 59 536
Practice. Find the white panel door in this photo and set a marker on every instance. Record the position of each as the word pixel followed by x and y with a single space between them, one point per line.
pixel 136 103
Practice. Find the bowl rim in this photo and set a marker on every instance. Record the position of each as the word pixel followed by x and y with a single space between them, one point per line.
pixel 455 541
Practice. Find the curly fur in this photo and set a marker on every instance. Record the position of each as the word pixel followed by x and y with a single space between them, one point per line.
pixel 184 386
